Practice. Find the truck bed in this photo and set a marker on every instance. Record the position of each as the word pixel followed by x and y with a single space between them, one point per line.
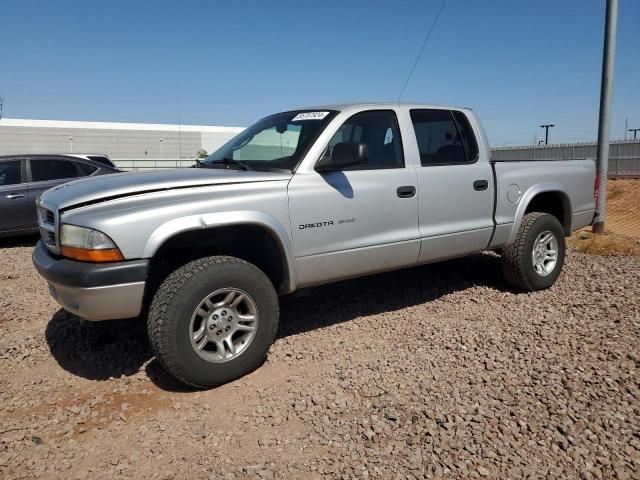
pixel 519 181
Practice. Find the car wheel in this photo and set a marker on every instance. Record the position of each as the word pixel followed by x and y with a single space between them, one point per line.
pixel 213 320
pixel 534 260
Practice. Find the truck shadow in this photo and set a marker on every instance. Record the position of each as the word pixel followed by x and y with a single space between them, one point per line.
pixel 343 301
pixel 105 350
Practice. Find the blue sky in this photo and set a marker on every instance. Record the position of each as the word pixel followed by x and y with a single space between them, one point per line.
pixel 517 63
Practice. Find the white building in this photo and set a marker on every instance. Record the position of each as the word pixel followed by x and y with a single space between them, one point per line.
pixel 130 145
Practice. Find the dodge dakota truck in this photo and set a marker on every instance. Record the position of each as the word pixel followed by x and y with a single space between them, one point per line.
pixel 298 199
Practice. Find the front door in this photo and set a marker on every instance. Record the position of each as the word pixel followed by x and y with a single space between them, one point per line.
pixel 15 212
pixel 362 219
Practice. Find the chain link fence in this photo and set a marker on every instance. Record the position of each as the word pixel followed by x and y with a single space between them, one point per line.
pixel 623 207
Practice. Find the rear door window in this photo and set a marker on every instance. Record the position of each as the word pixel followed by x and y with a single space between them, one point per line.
pixel 10 172
pixel 50 169
pixel 439 139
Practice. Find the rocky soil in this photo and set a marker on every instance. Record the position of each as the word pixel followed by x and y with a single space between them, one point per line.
pixel 439 371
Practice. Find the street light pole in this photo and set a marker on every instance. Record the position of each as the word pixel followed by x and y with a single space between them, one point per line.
pixel 604 122
pixel 635 132
pixel 546 132
pixel 626 127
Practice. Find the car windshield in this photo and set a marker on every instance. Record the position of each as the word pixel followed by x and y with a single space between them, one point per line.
pixel 276 142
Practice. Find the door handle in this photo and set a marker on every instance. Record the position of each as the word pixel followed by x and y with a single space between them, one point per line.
pixel 14 196
pixel 407 191
pixel 480 185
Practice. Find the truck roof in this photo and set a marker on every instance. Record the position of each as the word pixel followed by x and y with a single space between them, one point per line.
pixel 360 105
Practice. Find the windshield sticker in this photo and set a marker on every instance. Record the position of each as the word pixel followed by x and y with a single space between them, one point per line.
pixel 310 116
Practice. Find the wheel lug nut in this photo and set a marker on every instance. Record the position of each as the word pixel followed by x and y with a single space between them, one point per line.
pixel 215 317
pixel 219 332
pixel 211 327
pixel 227 329
pixel 224 312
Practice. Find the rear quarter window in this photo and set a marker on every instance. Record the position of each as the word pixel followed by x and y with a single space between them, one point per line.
pixel 85 169
pixel 101 159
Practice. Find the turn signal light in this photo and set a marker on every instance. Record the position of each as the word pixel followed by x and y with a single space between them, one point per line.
pixel 86 255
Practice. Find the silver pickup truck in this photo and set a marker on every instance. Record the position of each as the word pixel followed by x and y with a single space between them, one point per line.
pixel 300 198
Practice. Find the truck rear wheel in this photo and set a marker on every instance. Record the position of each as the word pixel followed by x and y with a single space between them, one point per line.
pixel 213 320
pixel 535 259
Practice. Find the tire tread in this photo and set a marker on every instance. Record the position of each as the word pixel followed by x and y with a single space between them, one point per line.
pixel 163 307
pixel 514 255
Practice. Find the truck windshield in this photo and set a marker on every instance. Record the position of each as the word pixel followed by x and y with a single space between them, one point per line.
pixel 276 142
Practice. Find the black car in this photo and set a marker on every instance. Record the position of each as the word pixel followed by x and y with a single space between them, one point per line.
pixel 24 177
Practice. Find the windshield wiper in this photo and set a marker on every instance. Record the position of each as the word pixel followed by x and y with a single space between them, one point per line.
pixel 227 161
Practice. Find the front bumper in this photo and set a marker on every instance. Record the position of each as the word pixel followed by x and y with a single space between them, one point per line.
pixel 94 291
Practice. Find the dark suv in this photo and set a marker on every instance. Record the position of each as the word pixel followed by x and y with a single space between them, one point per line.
pixel 24 177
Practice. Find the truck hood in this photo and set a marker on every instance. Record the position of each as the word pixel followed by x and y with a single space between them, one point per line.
pixel 107 187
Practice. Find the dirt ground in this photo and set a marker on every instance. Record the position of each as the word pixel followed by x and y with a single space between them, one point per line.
pixel 438 371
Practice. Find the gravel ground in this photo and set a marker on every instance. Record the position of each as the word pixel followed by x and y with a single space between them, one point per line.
pixel 438 371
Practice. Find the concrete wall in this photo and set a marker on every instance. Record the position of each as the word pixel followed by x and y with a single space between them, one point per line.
pixel 130 145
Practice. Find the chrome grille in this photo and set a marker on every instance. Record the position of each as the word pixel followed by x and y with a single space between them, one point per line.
pixel 48 224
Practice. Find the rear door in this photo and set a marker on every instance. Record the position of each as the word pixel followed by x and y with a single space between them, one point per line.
pixel 455 185
pixel 45 173
pixel 15 213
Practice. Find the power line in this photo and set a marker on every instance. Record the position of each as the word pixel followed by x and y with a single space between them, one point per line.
pixel 424 44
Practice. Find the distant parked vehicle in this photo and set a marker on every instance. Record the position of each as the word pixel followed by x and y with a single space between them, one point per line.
pixel 24 177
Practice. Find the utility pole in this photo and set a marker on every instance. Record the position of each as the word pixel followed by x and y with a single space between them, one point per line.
pixel 1 104
pixel 546 132
pixel 604 122
pixel 635 132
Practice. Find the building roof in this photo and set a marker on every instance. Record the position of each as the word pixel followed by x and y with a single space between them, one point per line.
pixel 23 122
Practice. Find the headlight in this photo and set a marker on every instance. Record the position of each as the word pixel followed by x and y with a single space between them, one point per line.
pixel 87 245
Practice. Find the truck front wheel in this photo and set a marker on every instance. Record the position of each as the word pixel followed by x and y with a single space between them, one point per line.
pixel 213 320
pixel 535 259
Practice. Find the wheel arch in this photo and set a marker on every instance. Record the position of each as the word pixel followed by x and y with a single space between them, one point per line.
pixel 549 198
pixel 214 223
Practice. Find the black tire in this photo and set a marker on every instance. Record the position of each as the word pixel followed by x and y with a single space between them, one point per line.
pixel 168 323
pixel 517 258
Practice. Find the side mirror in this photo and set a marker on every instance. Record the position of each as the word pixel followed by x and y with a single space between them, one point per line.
pixel 343 155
